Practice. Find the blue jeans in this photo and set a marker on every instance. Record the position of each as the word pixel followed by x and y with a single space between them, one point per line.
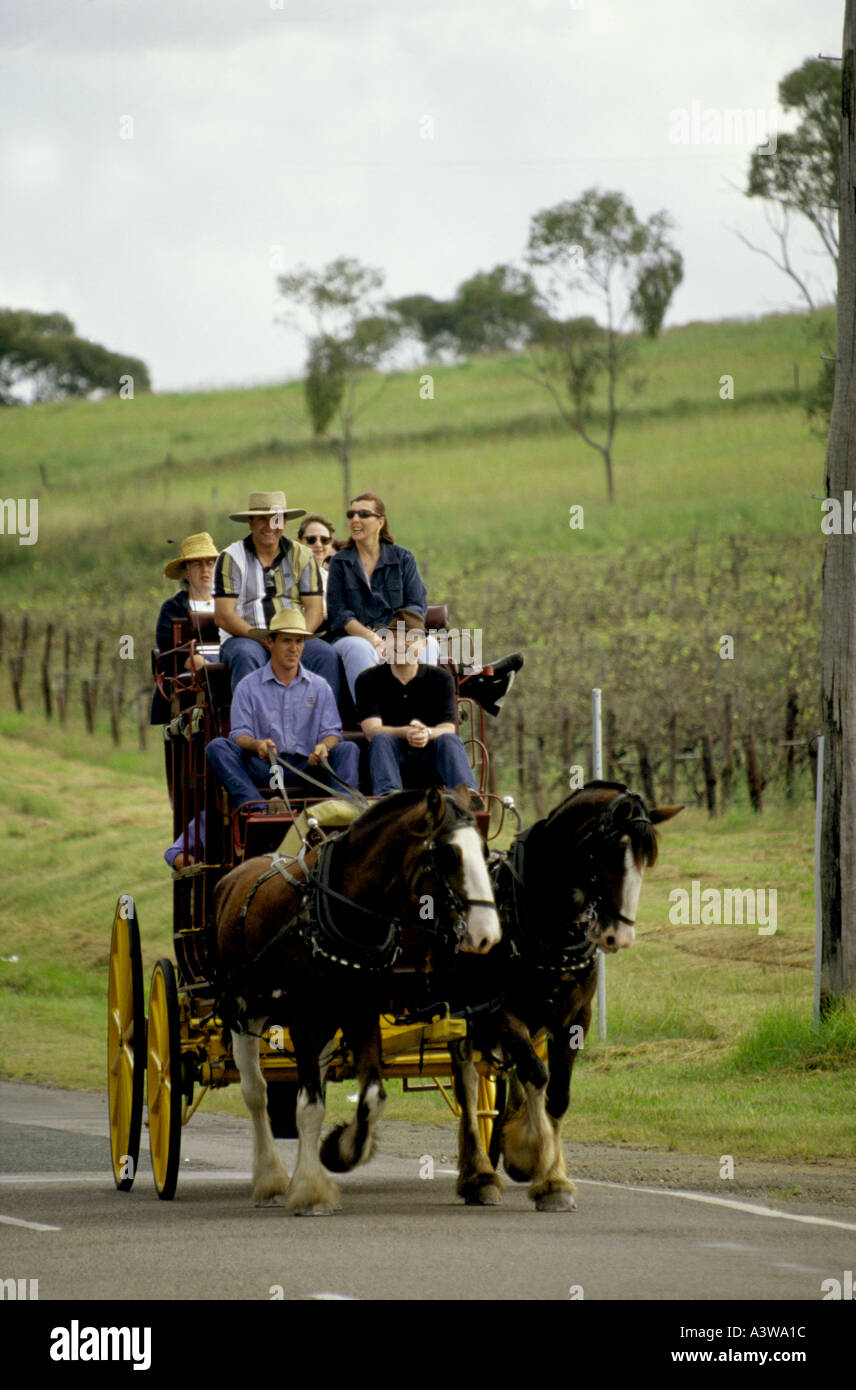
pixel 243 655
pixel 358 655
pixel 242 773
pixel 392 760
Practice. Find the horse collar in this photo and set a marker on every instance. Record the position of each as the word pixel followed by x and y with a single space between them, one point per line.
pixel 324 935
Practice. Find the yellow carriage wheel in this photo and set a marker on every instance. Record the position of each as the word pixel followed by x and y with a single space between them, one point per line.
pixel 163 1079
pixel 126 1044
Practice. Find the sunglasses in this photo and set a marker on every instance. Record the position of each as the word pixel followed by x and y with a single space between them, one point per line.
pixel 310 540
pixel 362 515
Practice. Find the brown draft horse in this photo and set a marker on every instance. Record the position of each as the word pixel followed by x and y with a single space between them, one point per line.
pixel 569 885
pixel 310 943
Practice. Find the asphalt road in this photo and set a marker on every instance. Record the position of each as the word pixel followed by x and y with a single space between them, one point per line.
pixel 398 1236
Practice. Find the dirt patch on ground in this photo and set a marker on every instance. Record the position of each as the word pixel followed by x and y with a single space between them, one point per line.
pixel 797 1185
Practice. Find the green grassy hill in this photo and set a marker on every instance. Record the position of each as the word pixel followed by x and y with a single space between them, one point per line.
pixel 486 464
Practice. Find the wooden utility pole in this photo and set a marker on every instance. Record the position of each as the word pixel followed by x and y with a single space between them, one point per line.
pixel 838 640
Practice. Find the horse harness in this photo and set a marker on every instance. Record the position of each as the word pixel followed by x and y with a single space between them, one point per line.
pixel 569 951
pixel 321 928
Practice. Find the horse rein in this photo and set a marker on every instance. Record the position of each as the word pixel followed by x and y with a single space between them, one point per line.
pixel 353 792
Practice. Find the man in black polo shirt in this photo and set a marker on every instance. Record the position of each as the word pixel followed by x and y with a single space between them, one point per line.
pixel 407 712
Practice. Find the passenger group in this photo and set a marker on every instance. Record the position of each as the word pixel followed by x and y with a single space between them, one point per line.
pixel 307 628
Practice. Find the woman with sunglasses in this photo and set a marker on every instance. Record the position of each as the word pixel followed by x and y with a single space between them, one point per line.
pixel 317 532
pixel 368 580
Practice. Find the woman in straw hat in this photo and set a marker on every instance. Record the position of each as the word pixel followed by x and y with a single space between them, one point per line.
pixel 194 570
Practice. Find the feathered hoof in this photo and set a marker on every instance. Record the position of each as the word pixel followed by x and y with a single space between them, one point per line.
pixel 483 1197
pixel 482 1190
pixel 316 1199
pixel 332 1157
pixel 269 1187
pixel 319 1209
pixel 554 1199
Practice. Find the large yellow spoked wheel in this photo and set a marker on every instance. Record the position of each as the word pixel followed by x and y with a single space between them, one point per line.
pixel 163 1079
pixel 126 1044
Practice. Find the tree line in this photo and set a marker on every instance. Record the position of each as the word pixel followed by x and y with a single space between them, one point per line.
pixel 43 359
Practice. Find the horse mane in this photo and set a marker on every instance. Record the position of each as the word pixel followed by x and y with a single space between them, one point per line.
pixel 642 835
pixel 392 807
pixel 589 786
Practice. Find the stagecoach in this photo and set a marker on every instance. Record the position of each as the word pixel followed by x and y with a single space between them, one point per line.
pixel 180 1047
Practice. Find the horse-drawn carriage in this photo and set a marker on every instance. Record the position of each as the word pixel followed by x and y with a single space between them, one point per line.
pixel 182 1047
pixel 379 984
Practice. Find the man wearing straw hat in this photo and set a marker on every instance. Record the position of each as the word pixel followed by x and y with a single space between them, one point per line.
pixel 282 709
pixel 262 575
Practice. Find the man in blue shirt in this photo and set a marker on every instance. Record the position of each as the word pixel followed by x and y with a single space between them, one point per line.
pixel 282 708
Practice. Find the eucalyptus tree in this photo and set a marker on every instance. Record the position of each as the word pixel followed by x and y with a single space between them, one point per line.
pixel 598 247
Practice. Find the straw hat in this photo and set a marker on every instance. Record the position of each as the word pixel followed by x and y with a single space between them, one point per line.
pixel 267 504
pixel 198 547
pixel 288 620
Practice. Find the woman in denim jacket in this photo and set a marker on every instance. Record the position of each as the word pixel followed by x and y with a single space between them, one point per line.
pixel 368 580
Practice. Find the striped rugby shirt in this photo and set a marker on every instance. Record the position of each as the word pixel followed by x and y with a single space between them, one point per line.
pixel 239 574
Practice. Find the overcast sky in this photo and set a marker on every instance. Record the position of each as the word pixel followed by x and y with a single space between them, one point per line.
pixel 419 136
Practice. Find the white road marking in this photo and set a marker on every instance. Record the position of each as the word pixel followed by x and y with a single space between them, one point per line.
pixel 800 1269
pixel 334 1297
pixel 727 1245
pixel 749 1207
pixel 30 1225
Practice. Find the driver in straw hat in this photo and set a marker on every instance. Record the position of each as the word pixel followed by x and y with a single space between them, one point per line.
pixel 282 708
pixel 263 575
